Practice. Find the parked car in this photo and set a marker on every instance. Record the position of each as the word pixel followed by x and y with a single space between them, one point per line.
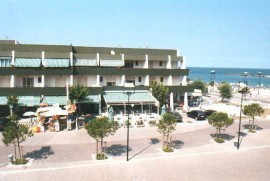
pixel 196 114
pixel 177 116
pixel 209 112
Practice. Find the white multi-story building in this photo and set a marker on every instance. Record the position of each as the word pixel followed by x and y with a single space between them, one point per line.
pixel 45 72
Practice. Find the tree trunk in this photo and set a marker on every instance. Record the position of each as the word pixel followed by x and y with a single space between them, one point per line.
pixel 167 139
pixel 19 148
pixel 101 145
pixel 253 124
pixel 15 151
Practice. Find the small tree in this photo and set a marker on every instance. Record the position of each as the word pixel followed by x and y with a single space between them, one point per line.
pixel 199 84
pixel 159 91
pixel 253 110
pixel 78 93
pixel 225 90
pixel 219 120
pixel 100 128
pixel 12 100
pixel 166 126
pixel 16 134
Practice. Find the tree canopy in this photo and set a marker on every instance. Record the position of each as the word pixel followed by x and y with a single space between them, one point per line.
pixel 220 120
pixel 100 128
pixel 199 84
pixel 253 110
pixel 167 125
pixel 78 93
pixel 225 90
pixel 159 91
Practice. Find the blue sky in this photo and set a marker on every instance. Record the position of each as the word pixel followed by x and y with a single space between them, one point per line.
pixel 209 33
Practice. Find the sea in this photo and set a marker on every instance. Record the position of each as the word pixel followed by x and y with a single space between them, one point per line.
pixel 231 75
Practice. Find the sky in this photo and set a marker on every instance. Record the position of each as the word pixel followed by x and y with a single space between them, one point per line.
pixel 208 33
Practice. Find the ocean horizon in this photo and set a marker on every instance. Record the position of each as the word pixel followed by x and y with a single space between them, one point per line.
pixel 231 75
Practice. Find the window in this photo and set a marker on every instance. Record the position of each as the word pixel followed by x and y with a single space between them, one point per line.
pixel 160 63
pixel 28 82
pixel 128 65
pixel 110 83
pixel 101 79
pixel 39 79
pixel 5 61
pixel 140 79
pixel 136 63
pixel 161 79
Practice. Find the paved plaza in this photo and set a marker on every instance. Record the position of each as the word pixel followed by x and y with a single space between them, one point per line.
pixel 67 155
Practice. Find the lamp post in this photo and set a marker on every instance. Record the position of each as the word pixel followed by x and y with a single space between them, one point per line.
pixel 245 76
pixel 242 91
pixel 11 109
pixel 259 74
pixel 129 89
pixel 213 72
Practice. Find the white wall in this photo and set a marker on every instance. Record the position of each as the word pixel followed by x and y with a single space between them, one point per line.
pixel 156 65
pixel 174 65
pixel 91 80
pixel 140 64
pixel 49 81
pixel 4 81
pixel 175 80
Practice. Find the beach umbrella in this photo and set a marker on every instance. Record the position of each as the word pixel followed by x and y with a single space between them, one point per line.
pixel 163 110
pixel 111 113
pixel 55 112
pixel 29 113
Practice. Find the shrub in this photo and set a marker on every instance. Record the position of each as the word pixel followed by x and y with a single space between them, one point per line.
pixel 251 131
pixel 167 149
pixel 18 161
pixel 219 140
pixel 152 122
pixel 101 156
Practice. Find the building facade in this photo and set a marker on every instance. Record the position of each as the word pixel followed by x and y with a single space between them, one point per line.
pixel 38 73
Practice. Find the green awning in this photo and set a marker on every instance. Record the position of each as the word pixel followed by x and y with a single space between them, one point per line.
pixel 3 100
pixel 85 62
pixel 118 97
pixel 91 99
pixel 61 100
pixel 27 62
pixel 57 62
pixel 111 63
pixel 29 100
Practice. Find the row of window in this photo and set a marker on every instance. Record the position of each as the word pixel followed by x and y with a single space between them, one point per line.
pixel 132 81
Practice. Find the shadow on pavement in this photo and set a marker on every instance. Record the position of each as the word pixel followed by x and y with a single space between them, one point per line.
pixel 247 126
pixel 43 153
pixel 117 149
pixel 224 136
pixel 153 141
pixel 177 144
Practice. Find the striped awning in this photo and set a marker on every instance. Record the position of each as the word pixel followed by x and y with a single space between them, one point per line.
pixel 91 99
pixel 27 62
pixel 3 100
pixel 57 62
pixel 61 100
pixel 118 97
pixel 111 63
pixel 29 101
pixel 85 62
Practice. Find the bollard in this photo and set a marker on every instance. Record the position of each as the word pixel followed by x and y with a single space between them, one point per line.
pixel 10 159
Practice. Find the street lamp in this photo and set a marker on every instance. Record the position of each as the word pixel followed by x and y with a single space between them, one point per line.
pixel 129 89
pixel 259 74
pixel 242 91
pixel 213 72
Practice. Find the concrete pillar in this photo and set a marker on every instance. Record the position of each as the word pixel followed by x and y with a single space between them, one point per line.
pixel 71 80
pixel 13 58
pixel 98 80
pixel 123 80
pixel 97 59
pixel 42 58
pixel 146 81
pixel 123 59
pixel 146 62
pixel 171 102
pixel 169 83
pixel 185 107
pixel 183 64
pixel 169 63
pixel 99 104
pixel 12 81
pixel 71 59
pixel 42 81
